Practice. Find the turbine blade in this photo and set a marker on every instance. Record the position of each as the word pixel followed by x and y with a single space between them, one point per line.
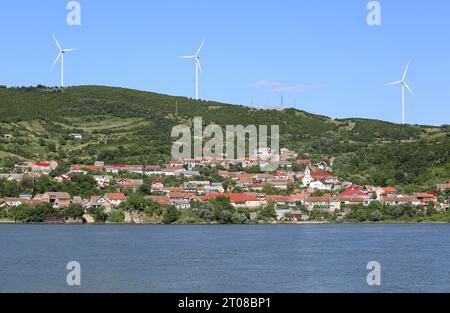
pixel 57 43
pixel 197 60
pixel 409 89
pixel 394 83
pixel 56 60
pixel 69 50
pixel 406 72
pixel 200 49
pixel 187 57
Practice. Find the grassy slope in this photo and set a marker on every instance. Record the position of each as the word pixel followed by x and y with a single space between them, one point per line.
pixel 122 125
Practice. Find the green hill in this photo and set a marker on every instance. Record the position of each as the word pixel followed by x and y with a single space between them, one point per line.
pixel 129 126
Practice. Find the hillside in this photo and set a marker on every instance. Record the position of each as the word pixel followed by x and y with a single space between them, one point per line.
pixel 129 126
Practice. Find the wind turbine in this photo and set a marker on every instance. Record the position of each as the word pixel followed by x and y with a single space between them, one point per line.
pixel 404 84
pixel 198 66
pixel 61 56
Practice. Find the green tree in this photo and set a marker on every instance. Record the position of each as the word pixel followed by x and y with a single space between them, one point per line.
pixel 170 214
pixel 376 216
pixel 73 211
pixel 268 212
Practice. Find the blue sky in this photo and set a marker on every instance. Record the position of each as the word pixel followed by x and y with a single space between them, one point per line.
pixel 321 53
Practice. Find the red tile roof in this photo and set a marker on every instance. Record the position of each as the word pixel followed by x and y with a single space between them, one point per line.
pixel 42 164
pixel 321 174
pixel 234 197
pixel 353 192
pixel 115 196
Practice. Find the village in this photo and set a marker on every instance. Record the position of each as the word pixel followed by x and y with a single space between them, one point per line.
pixel 310 194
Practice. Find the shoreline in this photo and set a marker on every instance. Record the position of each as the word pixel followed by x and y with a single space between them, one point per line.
pixel 213 224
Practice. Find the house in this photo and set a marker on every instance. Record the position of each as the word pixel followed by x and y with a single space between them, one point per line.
pixel 354 192
pixel 102 180
pixel 310 176
pixel 182 196
pixel 401 200
pixel 63 178
pixel 80 168
pixel 115 199
pixel 60 200
pixel 443 187
pixel 100 202
pixel 190 173
pixel 244 200
pixel 298 216
pixel 76 136
pixel 322 185
pixel 286 154
pixel 180 204
pixel 175 164
pixel 157 185
pixel 214 188
pixel 323 166
pixel 43 167
pixel 160 200
pixel 427 197
pixel 13 177
pixel 281 214
pixel 338 202
pixel 133 184
pixel 151 170
pixel 280 184
pixel 15 202
pixel 318 202
pixel 172 171
pixel 281 201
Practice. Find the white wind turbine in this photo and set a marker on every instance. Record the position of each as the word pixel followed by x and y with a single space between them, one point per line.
pixel 61 56
pixel 404 84
pixel 198 66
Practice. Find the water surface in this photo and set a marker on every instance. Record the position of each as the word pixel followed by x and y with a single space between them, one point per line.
pixel 272 258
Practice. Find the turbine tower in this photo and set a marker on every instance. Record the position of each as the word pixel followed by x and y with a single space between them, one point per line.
pixel 404 84
pixel 198 66
pixel 61 56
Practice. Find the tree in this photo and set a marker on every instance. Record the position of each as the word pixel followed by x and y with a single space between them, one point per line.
pixel 41 212
pixel 73 211
pixel 9 188
pixel 99 215
pixel 20 213
pixel 268 212
pixel 136 203
pixel 170 214
pixel 376 216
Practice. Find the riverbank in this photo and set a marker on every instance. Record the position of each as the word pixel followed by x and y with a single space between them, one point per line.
pixel 8 222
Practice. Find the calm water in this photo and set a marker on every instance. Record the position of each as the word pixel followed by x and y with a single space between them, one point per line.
pixel 284 258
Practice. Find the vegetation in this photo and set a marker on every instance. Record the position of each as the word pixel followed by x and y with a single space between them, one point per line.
pixel 127 126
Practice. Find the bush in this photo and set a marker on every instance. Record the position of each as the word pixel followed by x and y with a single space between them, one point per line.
pixel 99 215
pixel 116 217
pixel 376 216
pixel 170 215
pixel 73 211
